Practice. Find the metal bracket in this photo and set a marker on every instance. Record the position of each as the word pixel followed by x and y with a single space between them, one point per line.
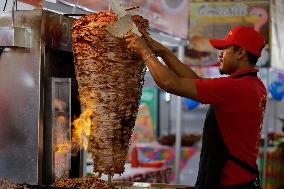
pixel 12 36
pixel 15 37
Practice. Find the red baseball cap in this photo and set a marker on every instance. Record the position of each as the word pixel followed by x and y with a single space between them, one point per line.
pixel 242 36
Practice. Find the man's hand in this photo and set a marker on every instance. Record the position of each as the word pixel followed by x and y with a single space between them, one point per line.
pixel 137 45
pixel 155 46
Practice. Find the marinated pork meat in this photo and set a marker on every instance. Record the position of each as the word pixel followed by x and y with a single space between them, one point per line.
pixel 82 183
pixel 110 79
pixel 7 184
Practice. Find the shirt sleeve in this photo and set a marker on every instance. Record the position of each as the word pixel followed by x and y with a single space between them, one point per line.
pixel 216 91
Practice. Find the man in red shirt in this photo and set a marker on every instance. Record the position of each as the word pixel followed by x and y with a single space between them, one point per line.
pixel 233 123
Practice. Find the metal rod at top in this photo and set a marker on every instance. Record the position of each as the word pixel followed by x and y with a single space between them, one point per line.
pixel 75 8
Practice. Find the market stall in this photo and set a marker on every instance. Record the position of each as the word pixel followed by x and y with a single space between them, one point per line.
pixel 37 75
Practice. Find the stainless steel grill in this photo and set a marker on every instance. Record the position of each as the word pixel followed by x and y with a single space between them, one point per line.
pixel 38 96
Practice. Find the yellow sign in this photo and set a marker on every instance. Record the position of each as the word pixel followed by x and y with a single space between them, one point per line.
pixel 215 19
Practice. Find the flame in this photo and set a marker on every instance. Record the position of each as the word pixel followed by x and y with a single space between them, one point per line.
pixel 63 147
pixel 82 129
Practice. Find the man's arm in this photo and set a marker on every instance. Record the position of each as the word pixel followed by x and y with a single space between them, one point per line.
pixel 165 78
pixel 169 58
pixel 176 65
pixel 168 80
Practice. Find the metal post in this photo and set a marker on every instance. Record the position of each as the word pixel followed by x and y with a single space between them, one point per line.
pixel 178 125
pixel 13 13
pixel 275 116
pixel 109 179
pixel 265 147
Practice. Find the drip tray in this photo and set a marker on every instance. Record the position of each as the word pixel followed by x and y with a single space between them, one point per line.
pixel 122 185
pixel 141 185
pixel 45 187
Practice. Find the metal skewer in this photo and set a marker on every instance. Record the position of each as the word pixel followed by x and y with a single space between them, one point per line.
pixel 109 179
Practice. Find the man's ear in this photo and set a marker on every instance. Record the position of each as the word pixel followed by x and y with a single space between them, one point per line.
pixel 241 53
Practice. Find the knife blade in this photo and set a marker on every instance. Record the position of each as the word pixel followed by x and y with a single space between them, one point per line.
pixel 124 23
pixel 122 26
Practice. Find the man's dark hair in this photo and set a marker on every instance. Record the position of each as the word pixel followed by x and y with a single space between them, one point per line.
pixel 251 57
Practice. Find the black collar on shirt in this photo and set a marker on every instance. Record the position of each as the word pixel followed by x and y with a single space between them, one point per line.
pixel 243 71
pixel 246 74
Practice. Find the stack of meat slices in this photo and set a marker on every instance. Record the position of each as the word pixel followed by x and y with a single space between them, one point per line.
pixel 110 80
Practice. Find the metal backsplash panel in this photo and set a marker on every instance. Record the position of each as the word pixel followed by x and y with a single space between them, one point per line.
pixel 22 91
pixel 20 132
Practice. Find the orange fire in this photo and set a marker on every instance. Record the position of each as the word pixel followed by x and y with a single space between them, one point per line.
pixel 63 148
pixel 82 129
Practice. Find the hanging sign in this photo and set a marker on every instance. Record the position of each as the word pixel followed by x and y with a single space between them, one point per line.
pixel 167 16
pixel 215 19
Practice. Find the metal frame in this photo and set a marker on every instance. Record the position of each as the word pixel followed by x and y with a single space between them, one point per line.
pixel 64 8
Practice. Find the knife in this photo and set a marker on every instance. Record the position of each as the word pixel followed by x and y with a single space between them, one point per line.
pixel 124 23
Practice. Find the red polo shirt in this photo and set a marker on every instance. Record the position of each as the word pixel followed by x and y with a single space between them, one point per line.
pixel 239 108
